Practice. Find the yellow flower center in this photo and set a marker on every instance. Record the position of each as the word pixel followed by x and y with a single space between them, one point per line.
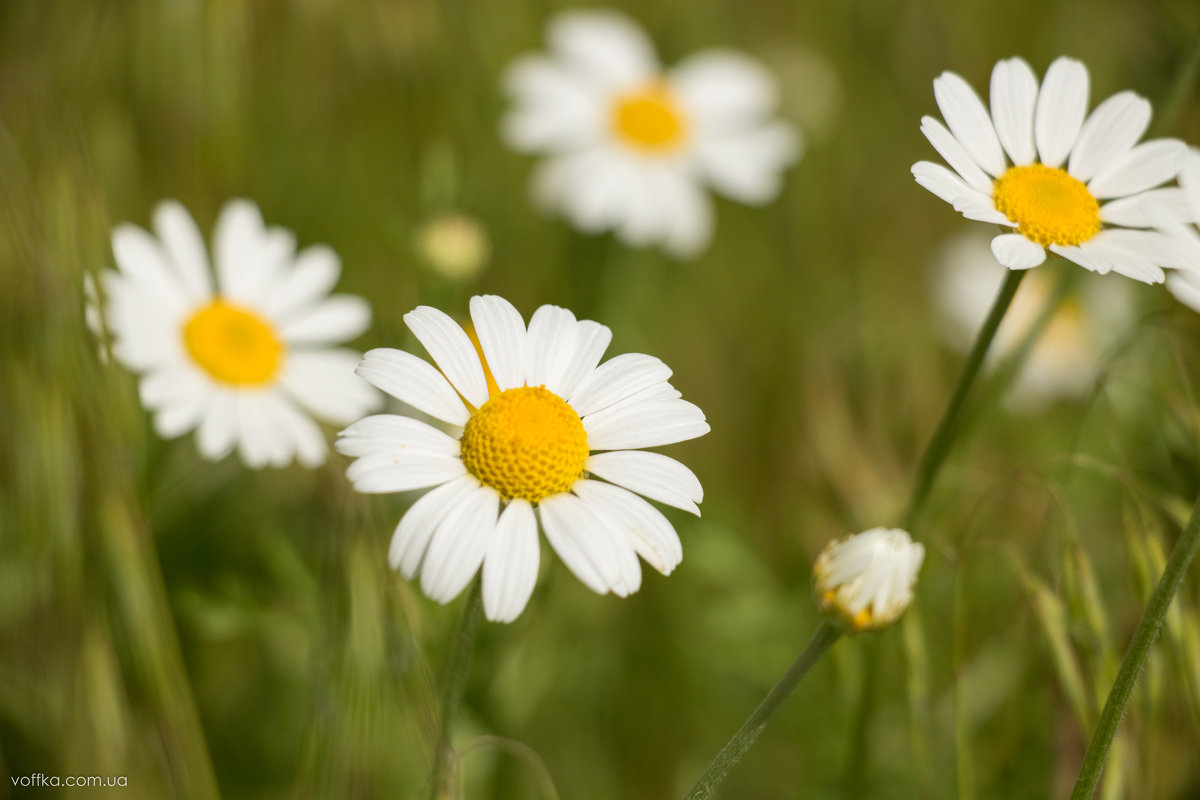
pixel 1048 205
pixel 525 443
pixel 233 345
pixel 649 119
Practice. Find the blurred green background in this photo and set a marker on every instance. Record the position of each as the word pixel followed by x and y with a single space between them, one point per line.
pixel 209 631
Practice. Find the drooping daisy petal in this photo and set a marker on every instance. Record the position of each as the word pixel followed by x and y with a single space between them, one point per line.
pixel 451 350
pixel 1016 252
pixel 459 545
pixel 1111 130
pixel 1014 91
pixel 411 380
pixel 968 120
pixel 945 184
pixel 1143 167
pixel 648 530
pixel 399 471
pixel 1061 105
pixel 586 544
pixel 389 432
pixel 651 474
pixel 510 568
pixel 1147 209
pixel 501 334
pixel 218 432
pixel 417 527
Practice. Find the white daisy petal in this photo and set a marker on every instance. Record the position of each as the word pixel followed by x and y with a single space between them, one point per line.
pixel 1014 92
pixel 218 432
pixel 1014 251
pixel 337 319
pixel 648 424
pixel 145 264
pixel 253 429
pixel 968 120
pixel 1147 209
pixel 551 343
pixel 956 156
pixel 308 442
pixel 648 530
pixel 616 379
pixel 746 167
pixel 1135 254
pixel 451 349
pixel 390 433
pixel 414 381
pixel 510 568
pixel 947 185
pixel 689 226
pixel 417 527
pixel 310 280
pixel 591 340
pixel 651 474
pixel 1111 130
pixel 1061 105
pixel 459 545
pixel 402 471
pixel 724 90
pixel 185 246
pixel 603 48
pixel 589 546
pixel 1143 167
pixel 501 333
pixel 325 383
pixel 555 112
pixel 1185 286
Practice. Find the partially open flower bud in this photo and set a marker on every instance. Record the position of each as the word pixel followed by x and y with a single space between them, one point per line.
pixel 866 579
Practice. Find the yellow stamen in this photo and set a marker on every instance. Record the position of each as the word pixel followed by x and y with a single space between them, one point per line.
pixel 649 119
pixel 1048 205
pixel 525 443
pixel 233 345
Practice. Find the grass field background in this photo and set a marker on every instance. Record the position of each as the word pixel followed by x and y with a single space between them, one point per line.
pixel 211 631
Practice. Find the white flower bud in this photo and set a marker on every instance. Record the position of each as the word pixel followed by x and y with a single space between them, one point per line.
pixel 866 579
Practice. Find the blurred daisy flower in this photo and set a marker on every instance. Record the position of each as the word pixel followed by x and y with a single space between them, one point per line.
pixel 1068 354
pixel 866 579
pixel 528 409
pixel 244 356
pixel 1184 283
pixel 630 145
pixel 1059 168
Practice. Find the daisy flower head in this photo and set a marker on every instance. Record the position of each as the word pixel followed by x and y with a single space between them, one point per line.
pixel 630 145
pixel 1074 183
pixel 1184 283
pixel 244 355
pixel 866 579
pixel 1069 351
pixel 540 434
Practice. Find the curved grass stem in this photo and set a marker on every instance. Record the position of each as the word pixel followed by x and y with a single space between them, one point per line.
pixel 1135 657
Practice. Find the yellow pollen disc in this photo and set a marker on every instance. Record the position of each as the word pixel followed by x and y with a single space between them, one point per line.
pixel 525 443
pixel 1048 205
pixel 649 119
pixel 233 345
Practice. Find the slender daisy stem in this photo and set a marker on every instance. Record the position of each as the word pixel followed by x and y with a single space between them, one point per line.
pixel 938 447
pixel 822 639
pixel 457 667
pixel 1135 657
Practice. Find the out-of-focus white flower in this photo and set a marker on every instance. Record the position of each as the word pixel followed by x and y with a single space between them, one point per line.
pixel 455 246
pixel 1059 168
pixel 529 409
pixel 866 579
pixel 245 356
pixel 1068 354
pixel 631 146
pixel 1184 283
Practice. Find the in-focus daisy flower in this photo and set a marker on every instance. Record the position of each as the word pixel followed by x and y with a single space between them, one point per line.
pixel 1184 283
pixel 1069 351
pixel 1082 188
pixel 867 579
pixel 630 145
pixel 531 410
pixel 244 356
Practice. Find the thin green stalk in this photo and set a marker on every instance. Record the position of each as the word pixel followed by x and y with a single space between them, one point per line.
pixel 1135 657
pixel 943 437
pixel 822 639
pixel 457 667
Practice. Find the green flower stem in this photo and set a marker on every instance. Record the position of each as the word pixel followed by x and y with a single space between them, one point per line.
pixel 822 639
pixel 947 429
pixel 1135 657
pixel 457 667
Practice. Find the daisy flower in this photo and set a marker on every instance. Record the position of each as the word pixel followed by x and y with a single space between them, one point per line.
pixel 1067 356
pixel 1036 165
pixel 1185 282
pixel 245 356
pixel 529 410
pixel 867 579
pixel 630 145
